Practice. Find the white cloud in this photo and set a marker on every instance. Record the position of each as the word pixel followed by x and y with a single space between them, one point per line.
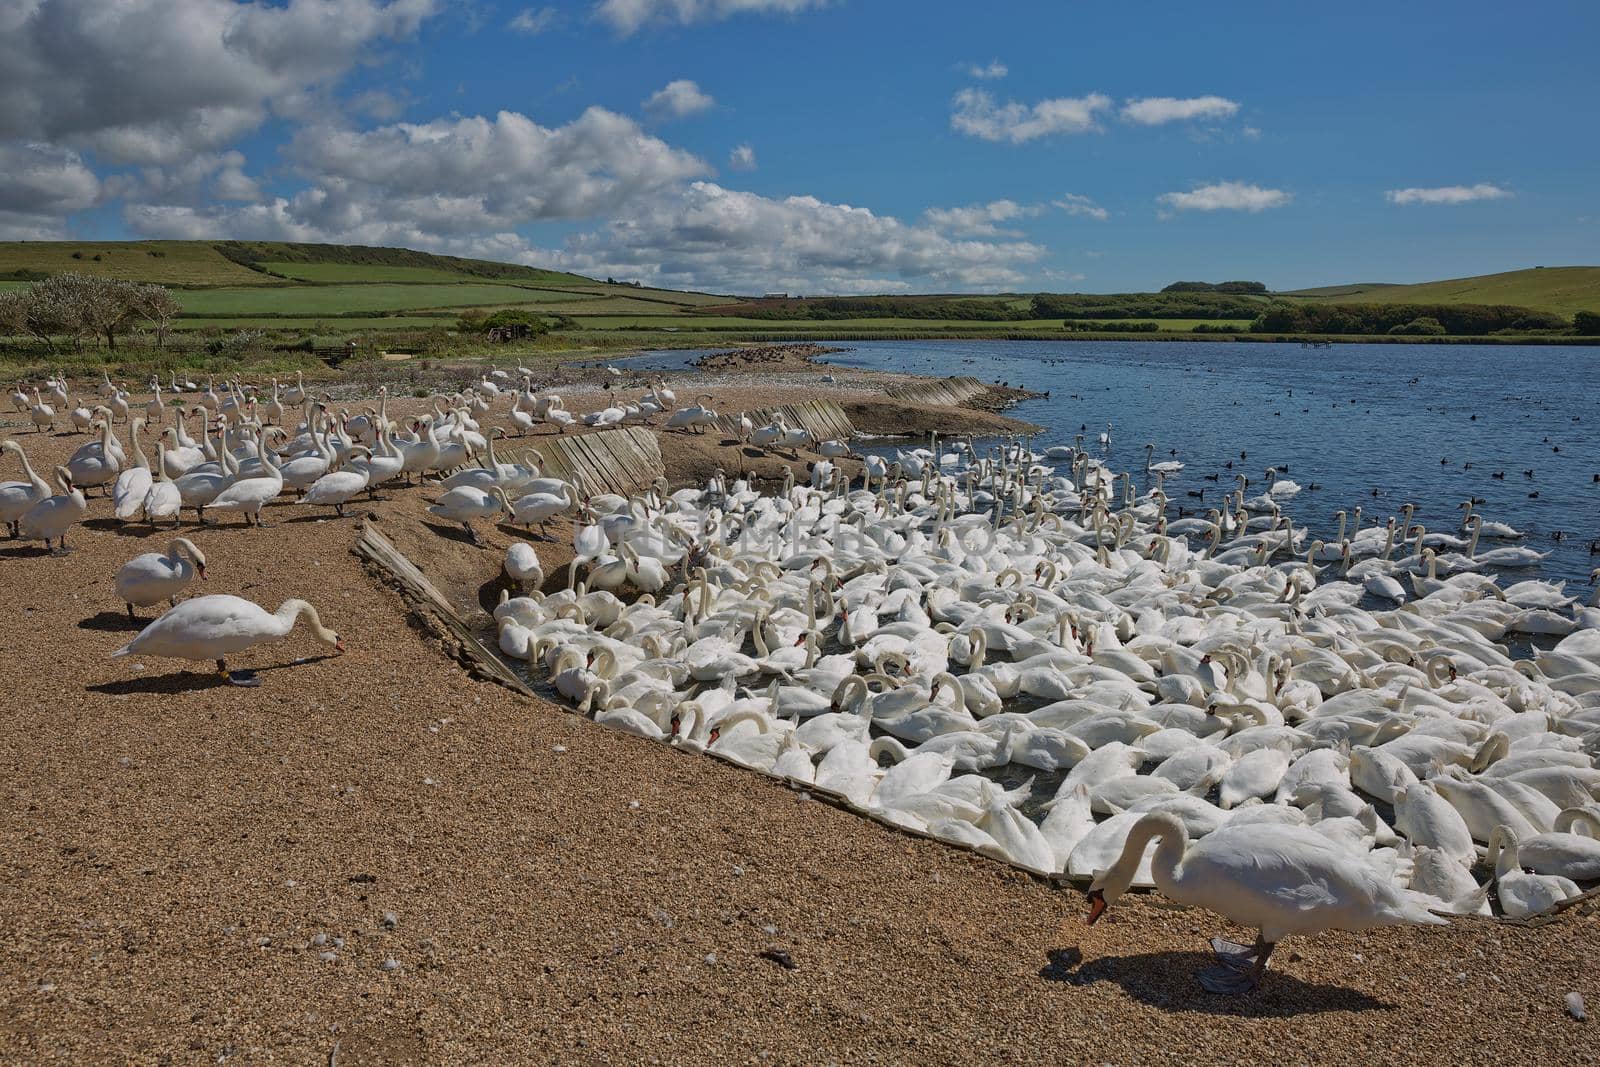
pixel 152 82
pixel 1226 196
pixel 974 112
pixel 1251 132
pixel 1448 194
pixel 534 20
pixel 1078 204
pixel 1155 110
pixel 39 185
pixel 742 158
pixel 978 220
pixel 988 71
pixel 451 179
pixel 630 16
pixel 678 99
pixel 710 237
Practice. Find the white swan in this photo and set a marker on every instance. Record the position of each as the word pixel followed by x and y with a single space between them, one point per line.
pixel 1281 880
pixel 164 500
pixel 153 577
pixel 133 483
pixel 215 627
pixel 522 565
pixel 17 497
pixel 49 519
pixel 1523 894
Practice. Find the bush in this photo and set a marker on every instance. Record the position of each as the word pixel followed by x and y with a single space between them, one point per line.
pixel 1249 288
pixel 1421 326
pixel 1470 320
pixel 1587 323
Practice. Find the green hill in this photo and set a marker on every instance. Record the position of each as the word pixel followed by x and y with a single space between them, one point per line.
pixel 228 283
pixel 1562 290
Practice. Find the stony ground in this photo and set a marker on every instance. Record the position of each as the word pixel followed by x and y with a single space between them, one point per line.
pixel 373 859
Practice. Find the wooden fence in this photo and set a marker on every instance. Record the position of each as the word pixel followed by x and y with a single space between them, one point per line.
pixel 824 418
pixel 608 461
pixel 947 392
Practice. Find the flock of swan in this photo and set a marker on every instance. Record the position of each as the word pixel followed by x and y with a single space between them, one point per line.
pixel 1011 651
pixel 1248 722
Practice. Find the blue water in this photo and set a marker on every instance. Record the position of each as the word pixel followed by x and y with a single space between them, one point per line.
pixel 1371 425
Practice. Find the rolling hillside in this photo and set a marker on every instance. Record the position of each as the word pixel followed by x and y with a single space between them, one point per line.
pixel 1559 289
pixel 238 283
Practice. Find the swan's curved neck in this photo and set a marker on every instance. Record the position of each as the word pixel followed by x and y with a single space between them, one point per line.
pixel 290 611
pixel 1174 838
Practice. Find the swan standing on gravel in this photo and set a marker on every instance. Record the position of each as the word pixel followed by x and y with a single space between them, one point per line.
pixel 1281 880
pixel 151 578
pixel 17 497
pixel 215 627
pixel 522 565
pixel 50 519
pixel 463 504
pixel 164 500
pixel 336 488
pixel 133 483
pixel 248 496
pixel 42 414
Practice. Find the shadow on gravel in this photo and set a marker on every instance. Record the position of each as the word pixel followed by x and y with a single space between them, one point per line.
pixel 115 622
pixel 188 681
pixel 1166 980
pixel 176 682
pixel 452 533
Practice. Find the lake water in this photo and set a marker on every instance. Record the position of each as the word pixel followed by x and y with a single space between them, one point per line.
pixel 1371 425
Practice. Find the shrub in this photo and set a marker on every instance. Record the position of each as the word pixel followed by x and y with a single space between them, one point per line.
pixel 1422 326
pixel 1587 323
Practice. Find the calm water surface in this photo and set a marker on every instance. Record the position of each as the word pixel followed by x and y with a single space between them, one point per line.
pixel 1373 426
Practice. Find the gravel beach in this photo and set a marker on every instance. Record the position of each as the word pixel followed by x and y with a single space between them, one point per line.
pixel 373 858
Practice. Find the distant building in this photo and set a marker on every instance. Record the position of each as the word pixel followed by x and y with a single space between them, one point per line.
pixel 775 296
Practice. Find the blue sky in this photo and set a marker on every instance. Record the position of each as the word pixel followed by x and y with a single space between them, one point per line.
pixel 851 146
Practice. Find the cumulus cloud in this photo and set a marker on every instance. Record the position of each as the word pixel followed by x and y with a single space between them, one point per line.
pixel 39 185
pixel 1226 196
pixel 451 179
pixel 1448 194
pixel 990 71
pixel 978 220
pixel 534 20
pixel 1078 204
pixel 151 82
pixel 630 16
pixel 974 112
pixel 1156 110
pixel 678 99
pixel 742 158
pixel 706 236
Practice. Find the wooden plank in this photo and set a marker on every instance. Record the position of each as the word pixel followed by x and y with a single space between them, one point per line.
pixel 433 609
pixel 618 461
pixel 948 392
pixel 825 418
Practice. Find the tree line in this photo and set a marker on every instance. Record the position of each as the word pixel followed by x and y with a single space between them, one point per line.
pixel 1162 305
pixel 1247 288
pixel 81 306
pixel 1421 319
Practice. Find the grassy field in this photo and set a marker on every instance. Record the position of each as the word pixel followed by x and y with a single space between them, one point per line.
pixel 336 299
pixel 291 290
pixel 1559 289
pixel 359 272
pixel 167 262
pixel 328 324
